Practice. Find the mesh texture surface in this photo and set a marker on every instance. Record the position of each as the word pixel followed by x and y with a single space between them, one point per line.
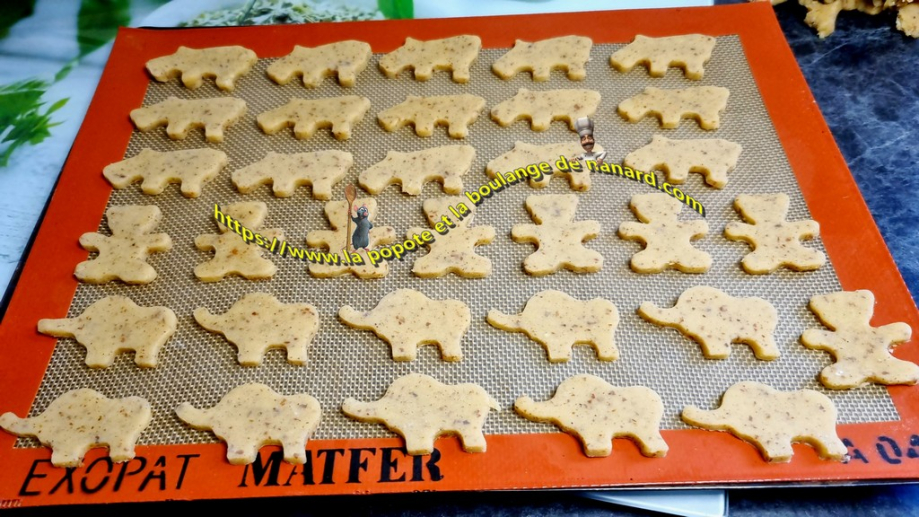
pixel 199 367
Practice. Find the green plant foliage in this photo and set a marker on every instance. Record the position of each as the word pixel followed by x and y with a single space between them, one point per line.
pixel 21 118
pixel 11 11
pixel 98 22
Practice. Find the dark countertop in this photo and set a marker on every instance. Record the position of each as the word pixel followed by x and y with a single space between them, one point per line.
pixel 865 78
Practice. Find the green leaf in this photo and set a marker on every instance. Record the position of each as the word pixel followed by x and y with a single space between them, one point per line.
pixel 18 98
pixel 397 9
pixel 13 11
pixel 65 71
pixel 22 121
pixel 57 105
pixel 98 22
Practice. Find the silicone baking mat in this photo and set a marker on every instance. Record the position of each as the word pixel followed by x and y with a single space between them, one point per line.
pixel 198 367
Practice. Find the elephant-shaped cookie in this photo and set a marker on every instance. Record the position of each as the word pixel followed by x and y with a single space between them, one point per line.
pixel 596 412
pixel 82 419
pixel 772 420
pixel 737 320
pixel 113 325
pixel 258 321
pixel 253 415
pixel 558 322
pixel 408 319
pixel 420 408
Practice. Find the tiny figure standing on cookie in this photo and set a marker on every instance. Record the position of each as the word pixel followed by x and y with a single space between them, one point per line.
pixel 585 128
pixel 361 236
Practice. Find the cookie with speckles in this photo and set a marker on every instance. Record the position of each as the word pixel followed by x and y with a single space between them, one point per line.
pixel 558 322
pixel 123 255
pixel 447 164
pixel 772 420
pixel 703 103
pixel 457 112
pixel 453 252
pixel 346 59
pixel 596 412
pixel 862 352
pixel 306 116
pixel 688 51
pixel 568 53
pixel 424 57
pixel 253 415
pixel 668 241
pixel 542 107
pixel 224 64
pixel 407 320
pixel 776 242
pixel 524 155
pixel 559 239
pixel 420 408
pixel 336 239
pixel 285 172
pixel 113 325
pixel 192 168
pixel 714 158
pixel 181 115
pixel 82 419
pixel 232 254
pixel 715 320
pixel 258 321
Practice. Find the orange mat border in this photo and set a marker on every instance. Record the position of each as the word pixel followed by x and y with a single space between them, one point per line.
pixel 881 451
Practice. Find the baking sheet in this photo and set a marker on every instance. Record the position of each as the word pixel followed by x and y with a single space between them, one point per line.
pixel 200 367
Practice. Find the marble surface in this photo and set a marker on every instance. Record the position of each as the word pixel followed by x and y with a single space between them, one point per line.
pixel 865 78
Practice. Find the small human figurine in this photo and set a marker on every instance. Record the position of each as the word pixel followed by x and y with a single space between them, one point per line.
pixel 585 128
pixel 361 236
